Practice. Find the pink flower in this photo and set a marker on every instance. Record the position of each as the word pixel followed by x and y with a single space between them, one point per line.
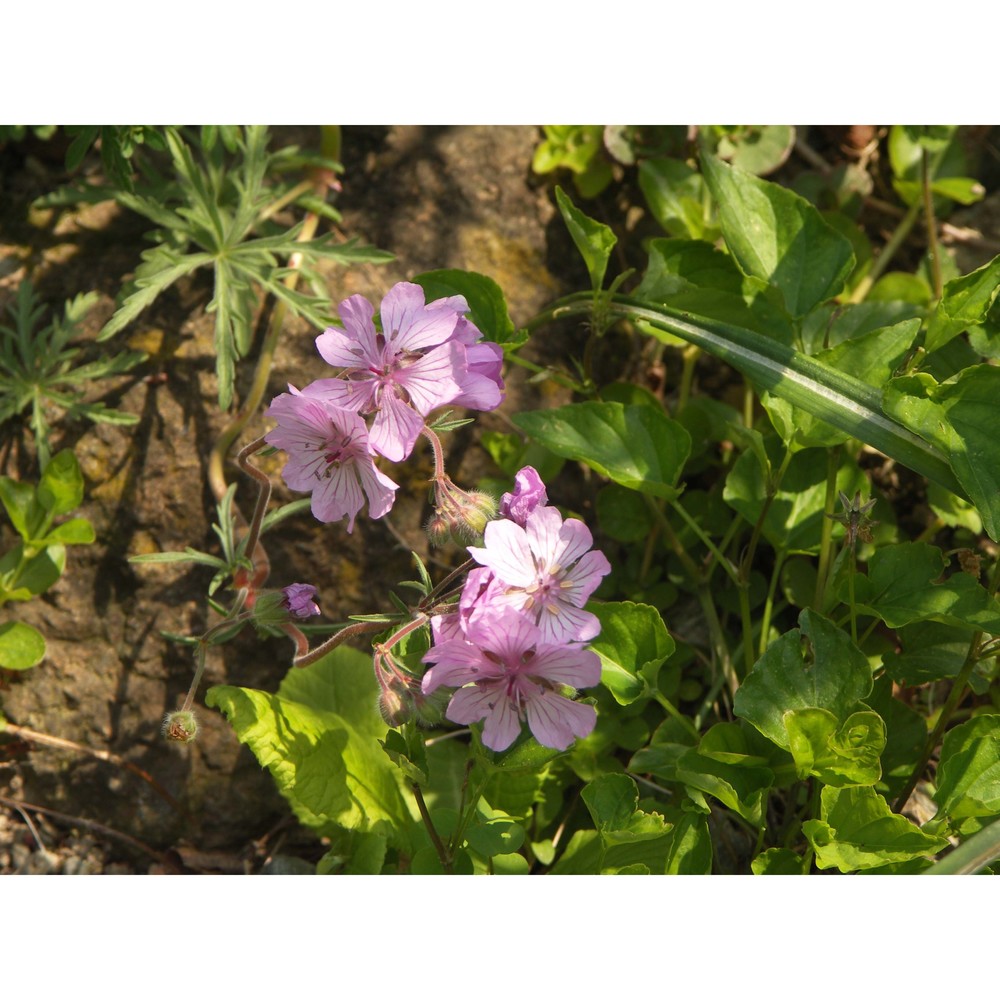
pixel 529 493
pixel 418 363
pixel 506 673
pixel 328 456
pixel 546 570
pixel 299 600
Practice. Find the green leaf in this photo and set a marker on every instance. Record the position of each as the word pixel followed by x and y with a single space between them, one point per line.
pixel 971 856
pixel 318 736
pixel 675 195
pixel 635 446
pixel 813 666
pixel 623 514
pixel 900 589
pixel 76 531
pixel 871 357
pixel 22 508
pixel 906 736
pixel 837 753
pixel 632 645
pixel 61 486
pixel 21 646
pixel 594 240
pixel 779 237
pixel 968 777
pixel 42 570
pixel 965 303
pixel 959 417
pixel 777 861
pixel 794 519
pixel 740 788
pixel 690 846
pixel 694 276
pixel 858 831
pixel 844 402
pixel 758 149
pixel 487 305
pixel 188 555
pixel 494 833
pixel 612 800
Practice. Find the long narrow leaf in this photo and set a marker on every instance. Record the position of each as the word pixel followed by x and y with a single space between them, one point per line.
pixel 842 401
pixel 973 856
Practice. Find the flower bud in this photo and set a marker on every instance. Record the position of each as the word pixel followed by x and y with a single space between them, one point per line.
pixel 394 708
pixel 464 515
pixel 180 727
pixel 275 607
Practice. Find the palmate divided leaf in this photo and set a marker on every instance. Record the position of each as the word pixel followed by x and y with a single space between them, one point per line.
pixel 38 370
pixel 215 212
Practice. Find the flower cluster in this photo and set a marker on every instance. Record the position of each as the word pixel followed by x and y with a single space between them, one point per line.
pixel 427 355
pixel 517 639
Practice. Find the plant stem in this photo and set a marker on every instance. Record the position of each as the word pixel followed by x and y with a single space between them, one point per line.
pixel 933 252
pixel 765 621
pixel 955 696
pixel 889 251
pixel 826 536
pixel 442 851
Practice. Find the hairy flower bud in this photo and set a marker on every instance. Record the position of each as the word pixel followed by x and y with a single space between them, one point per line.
pixel 180 727
pixel 464 515
pixel 275 607
pixel 395 706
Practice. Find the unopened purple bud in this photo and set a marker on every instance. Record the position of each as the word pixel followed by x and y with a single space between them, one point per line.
pixel 529 493
pixel 299 600
pixel 180 727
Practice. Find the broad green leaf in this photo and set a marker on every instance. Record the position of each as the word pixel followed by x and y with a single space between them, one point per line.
pixel 953 511
pixel 690 846
pixel 858 831
pixel 968 777
pixel 593 239
pixel 21 646
pixel 693 276
pixel 623 514
pixel 777 861
pixel 959 417
pixel 612 800
pixel 632 645
pixel 586 854
pixel 906 735
pixel 871 357
pixel 779 237
pixel 929 651
pixel 758 149
pixel 813 666
pixel 742 789
pixel 900 589
pixel 487 305
pixel 795 516
pixel 41 571
pixel 61 486
pixel 494 832
pixel 837 753
pixel 318 738
pixel 675 195
pixel 22 508
pixel 965 302
pixel 639 447
pixel 76 531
